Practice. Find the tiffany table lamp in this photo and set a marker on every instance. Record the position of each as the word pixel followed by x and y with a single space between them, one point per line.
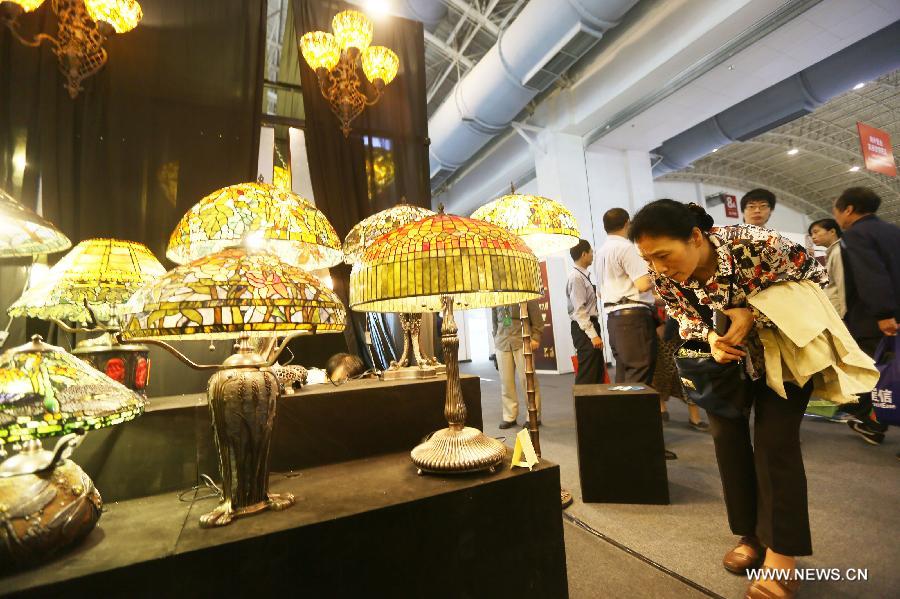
pixel 436 264
pixel 88 288
pixel 546 227
pixel 24 233
pixel 358 240
pixel 237 293
pixel 48 502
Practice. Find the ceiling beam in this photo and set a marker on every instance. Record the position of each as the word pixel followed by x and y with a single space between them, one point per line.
pixel 470 13
pixel 451 53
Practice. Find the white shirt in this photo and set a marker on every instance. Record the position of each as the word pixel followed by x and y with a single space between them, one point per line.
pixel 620 265
pixel 582 300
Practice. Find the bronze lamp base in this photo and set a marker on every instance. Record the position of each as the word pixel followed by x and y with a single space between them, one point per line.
pixel 458 450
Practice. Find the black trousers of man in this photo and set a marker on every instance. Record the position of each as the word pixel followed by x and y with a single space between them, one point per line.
pixel 591 365
pixel 632 335
pixel 765 482
pixel 863 411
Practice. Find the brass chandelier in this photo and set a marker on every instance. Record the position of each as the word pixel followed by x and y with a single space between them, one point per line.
pixel 83 26
pixel 336 58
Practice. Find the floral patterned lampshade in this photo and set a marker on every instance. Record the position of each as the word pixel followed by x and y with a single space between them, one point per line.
pixel 24 233
pixel 257 215
pixel 371 228
pixel 122 15
pixel 46 392
pixel 479 264
pixel 102 272
pixel 544 224
pixel 352 29
pixel 232 292
pixel 379 62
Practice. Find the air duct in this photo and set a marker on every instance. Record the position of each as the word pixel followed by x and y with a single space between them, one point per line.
pixel 785 101
pixel 547 38
pixel 429 12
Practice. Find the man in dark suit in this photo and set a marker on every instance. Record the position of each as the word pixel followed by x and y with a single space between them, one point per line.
pixel 871 253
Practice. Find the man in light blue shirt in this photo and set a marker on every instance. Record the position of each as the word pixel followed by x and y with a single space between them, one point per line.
pixel 581 296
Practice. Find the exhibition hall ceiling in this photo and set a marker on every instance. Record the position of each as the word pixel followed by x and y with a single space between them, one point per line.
pixel 827 157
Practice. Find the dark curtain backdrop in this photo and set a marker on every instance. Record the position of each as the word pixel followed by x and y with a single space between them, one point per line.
pixel 389 137
pixel 172 116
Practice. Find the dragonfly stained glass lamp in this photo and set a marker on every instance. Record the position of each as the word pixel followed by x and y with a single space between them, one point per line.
pixel 358 240
pixel 48 502
pixel 84 293
pixel 240 294
pixel 437 264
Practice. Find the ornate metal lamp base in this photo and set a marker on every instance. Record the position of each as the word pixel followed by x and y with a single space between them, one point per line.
pixel 224 513
pixel 456 451
pixel 409 372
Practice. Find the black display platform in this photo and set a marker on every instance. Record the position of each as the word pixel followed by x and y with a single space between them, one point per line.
pixel 367 528
pixel 621 452
pixel 168 447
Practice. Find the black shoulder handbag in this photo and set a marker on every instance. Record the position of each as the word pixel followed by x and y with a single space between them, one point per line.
pixel 720 389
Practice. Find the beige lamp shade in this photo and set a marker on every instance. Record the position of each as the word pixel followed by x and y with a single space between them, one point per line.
pixel 258 216
pixel 232 292
pixel 102 272
pixel 478 264
pixel 371 228
pixel 47 392
pixel 545 225
pixel 24 233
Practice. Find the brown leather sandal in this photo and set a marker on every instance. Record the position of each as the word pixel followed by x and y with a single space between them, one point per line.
pixel 737 562
pixel 788 589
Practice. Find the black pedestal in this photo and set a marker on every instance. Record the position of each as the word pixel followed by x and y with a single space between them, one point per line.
pixel 368 528
pixel 621 455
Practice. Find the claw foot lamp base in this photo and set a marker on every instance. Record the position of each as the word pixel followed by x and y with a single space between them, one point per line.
pixel 224 513
pixel 406 373
pixel 458 451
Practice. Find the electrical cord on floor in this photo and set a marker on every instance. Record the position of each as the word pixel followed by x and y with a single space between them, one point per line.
pixel 207 483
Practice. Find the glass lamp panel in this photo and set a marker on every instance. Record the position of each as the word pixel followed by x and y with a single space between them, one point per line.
pixel 544 224
pixel 479 264
pixel 28 5
pixel 232 292
pixel 260 216
pixel 24 233
pixel 102 272
pixel 320 50
pixel 379 62
pixel 46 392
pixel 352 29
pixel 122 15
pixel 371 228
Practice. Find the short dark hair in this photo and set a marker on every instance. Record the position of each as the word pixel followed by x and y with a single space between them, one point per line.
pixel 668 218
pixel 353 365
pixel 579 249
pixel 614 219
pixel 758 194
pixel 829 224
pixel 863 200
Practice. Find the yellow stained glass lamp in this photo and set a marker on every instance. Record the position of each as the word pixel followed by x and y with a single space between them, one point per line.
pixel 121 15
pixel 24 233
pixel 358 240
pixel 352 29
pixel 432 265
pixel 547 227
pixel 49 503
pixel 237 293
pixel 260 216
pixel 380 65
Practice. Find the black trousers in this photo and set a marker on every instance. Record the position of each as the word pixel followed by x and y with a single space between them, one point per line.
pixel 864 409
pixel 591 365
pixel 764 482
pixel 632 335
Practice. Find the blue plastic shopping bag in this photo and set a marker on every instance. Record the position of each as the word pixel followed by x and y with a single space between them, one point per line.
pixel 886 395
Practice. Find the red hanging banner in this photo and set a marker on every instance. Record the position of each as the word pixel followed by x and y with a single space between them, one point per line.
pixel 731 205
pixel 876 150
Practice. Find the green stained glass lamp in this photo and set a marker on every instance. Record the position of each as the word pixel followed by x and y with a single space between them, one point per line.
pixel 436 264
pixel 48 502
pixel 237 293
pixel 24 233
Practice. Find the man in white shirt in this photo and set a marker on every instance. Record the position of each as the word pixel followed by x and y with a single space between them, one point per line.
pixel 626 289
pixel 581 296
pixel 826 232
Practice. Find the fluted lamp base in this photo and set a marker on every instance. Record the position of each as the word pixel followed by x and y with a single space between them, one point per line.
pixel 457 451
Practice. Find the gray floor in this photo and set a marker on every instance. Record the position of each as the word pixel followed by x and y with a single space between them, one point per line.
pixel 854 509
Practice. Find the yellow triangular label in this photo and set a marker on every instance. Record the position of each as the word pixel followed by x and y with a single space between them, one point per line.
pixel 523 448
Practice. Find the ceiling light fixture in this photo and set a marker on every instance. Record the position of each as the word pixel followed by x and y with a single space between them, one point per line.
pixel 853 169
pixel 792 151
pixel 715 150
pixel 859 85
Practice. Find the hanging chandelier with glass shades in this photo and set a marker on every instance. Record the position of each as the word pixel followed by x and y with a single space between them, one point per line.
pixel 335 57
pixel 83 26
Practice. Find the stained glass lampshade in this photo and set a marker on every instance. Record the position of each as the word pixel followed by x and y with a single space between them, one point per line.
pixel 479 264
pixel 232 292
pixel 352 29
pixel 257 215
pixel 122 15
pixel 371 228
pixel 103 272
pixel 320 50
pixel 24 233
pixel 46 392
pixel 544 224
pixel 379 62
pixel 28 5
